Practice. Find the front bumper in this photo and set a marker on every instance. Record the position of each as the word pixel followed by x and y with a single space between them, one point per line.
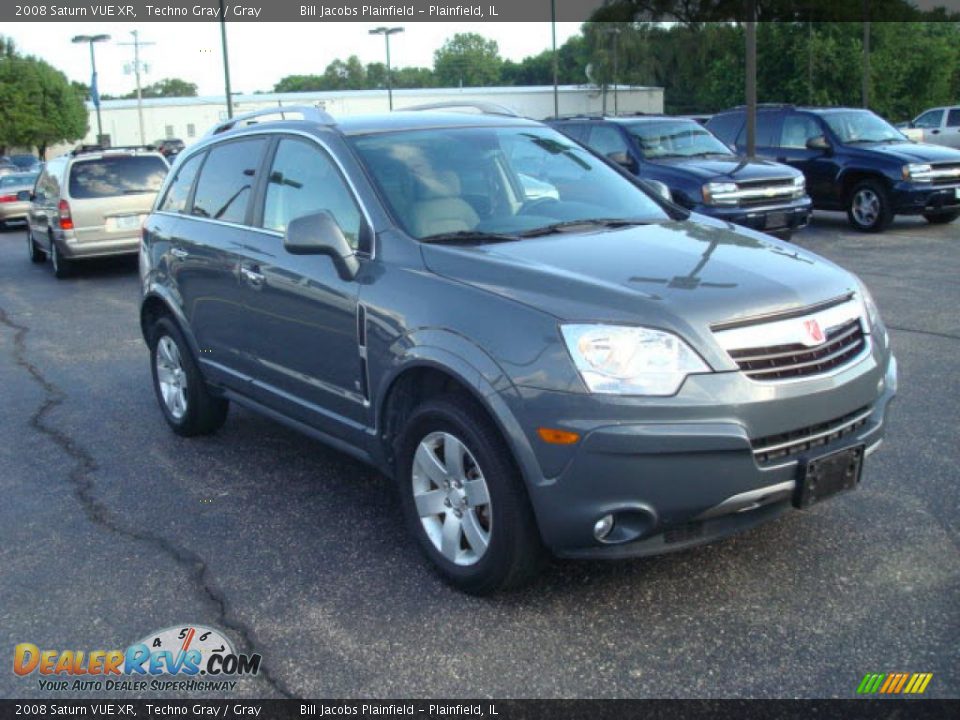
pixel 784 217
pixel 687 474
pixel 911 198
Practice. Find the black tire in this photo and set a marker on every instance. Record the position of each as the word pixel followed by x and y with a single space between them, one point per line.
pixel 515 552
pixel 62 267
pixel 204 413
pixel 36 254
pixel 869 192
pixel 942 218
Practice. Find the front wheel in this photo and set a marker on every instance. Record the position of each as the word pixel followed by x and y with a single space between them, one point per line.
pixel 463 499
pixel 868 207
pixel 187 404
pixel 942 218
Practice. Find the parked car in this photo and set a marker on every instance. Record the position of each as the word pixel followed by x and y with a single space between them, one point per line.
pixel 703 174
pixel 854 161
pixel 169 148
pixel 7 167
pixel 596 371
pixel 91 203
pixel 15 190
pixel 938 126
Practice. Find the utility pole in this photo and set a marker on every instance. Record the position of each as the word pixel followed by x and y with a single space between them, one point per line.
pixel 226 62
pixel 137 66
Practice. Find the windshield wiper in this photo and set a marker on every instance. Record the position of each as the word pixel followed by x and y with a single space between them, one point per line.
pixel 586 224
pixel 468 237
pixel 872 140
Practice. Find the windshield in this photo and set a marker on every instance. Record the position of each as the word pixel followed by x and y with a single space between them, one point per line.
pixel 853 126
pixel 675 138
pixel 507 181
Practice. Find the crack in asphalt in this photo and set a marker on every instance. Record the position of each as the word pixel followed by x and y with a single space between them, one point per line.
pixel 83 487
pixel 932 333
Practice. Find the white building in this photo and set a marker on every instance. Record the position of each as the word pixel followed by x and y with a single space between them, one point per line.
pixel 189 118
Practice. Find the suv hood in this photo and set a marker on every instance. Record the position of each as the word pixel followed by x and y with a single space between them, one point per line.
pixel 732 168
pixel 683 276
pixel 908 152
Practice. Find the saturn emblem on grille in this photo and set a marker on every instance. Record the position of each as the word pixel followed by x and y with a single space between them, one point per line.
pixel 813 331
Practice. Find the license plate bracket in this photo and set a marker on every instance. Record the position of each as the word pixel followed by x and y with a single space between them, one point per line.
pixel 827 475
pixel 775 221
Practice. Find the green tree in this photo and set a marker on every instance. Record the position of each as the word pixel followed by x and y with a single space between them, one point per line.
pixel 38 105
pixel 467 59
pixel 300 83
pixel 168 87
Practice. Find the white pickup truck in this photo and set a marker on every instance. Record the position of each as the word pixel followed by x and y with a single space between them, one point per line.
pixel 940 126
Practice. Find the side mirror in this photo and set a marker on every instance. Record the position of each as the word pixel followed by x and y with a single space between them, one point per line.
pixel 319 234
pixel 623 159
pixel 818 142
pixel 24 195
pixel 658 188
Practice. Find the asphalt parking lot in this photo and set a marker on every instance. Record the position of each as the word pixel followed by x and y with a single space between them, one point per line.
pixel 112 527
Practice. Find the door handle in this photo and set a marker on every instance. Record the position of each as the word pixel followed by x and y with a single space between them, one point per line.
pixel 179 253
pixel 934 132
pixel 252 275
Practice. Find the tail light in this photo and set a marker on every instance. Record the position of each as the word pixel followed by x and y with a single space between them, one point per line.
pixel 8 198
pixel 66 220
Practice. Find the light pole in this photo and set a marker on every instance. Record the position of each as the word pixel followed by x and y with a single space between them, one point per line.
pixel 553 32
pixel 387 32
pixel 615 31
pixel 94 91
pixel 226 62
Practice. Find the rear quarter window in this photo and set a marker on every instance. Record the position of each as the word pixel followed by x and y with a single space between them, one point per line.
pixel 114 176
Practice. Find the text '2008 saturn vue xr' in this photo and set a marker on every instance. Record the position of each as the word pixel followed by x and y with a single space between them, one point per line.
pixel 546 360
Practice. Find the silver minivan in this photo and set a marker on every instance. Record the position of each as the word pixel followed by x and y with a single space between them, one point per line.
pixel 91 203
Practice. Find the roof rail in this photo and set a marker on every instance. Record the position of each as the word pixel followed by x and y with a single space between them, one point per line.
pixel 84 149
pixel 487 108
pixel 307 112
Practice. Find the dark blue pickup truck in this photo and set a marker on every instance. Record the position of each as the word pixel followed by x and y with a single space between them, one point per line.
pixel 702 173
pixel 854 161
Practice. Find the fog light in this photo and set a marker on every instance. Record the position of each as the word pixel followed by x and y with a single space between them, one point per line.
pixel 602 527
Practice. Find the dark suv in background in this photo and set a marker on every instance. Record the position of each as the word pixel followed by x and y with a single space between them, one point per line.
pixel 703 174
pixel 587 368
pixel 855 161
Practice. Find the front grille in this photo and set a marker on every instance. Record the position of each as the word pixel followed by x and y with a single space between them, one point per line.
pixel 764 192
pixel 778 362
pixel 784 445
pixel 945 173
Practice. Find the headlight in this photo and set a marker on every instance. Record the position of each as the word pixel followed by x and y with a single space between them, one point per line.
pixel 720 193
pixel 918 172
pixel 622 360
pixel 872 312
pixel 799 186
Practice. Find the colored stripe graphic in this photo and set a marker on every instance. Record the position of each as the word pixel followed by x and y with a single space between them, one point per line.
pixel 894 683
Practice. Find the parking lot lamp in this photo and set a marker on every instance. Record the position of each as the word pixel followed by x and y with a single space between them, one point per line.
pixel 94 91
pixel 387 32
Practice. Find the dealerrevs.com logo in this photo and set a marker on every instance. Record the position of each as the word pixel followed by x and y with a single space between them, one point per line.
pixel 183 658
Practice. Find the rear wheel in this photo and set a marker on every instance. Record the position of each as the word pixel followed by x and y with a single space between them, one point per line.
pixel 868 207
pixel 942 218
pixel 464 500
pixel 62 267
pixel 187 404
pixel 35 253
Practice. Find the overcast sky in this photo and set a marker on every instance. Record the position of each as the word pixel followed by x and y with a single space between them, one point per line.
pixel 260 53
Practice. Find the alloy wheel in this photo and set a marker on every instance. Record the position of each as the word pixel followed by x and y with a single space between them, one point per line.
pixel 452 498
pixel 866 207
pixel 171 377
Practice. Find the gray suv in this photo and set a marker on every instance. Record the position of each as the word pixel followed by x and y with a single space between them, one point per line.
pixel 557 362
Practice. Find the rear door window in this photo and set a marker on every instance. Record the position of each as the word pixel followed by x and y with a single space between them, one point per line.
pixel 227 179
pixel 953 119
pixel 768 129
pixel 113 176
